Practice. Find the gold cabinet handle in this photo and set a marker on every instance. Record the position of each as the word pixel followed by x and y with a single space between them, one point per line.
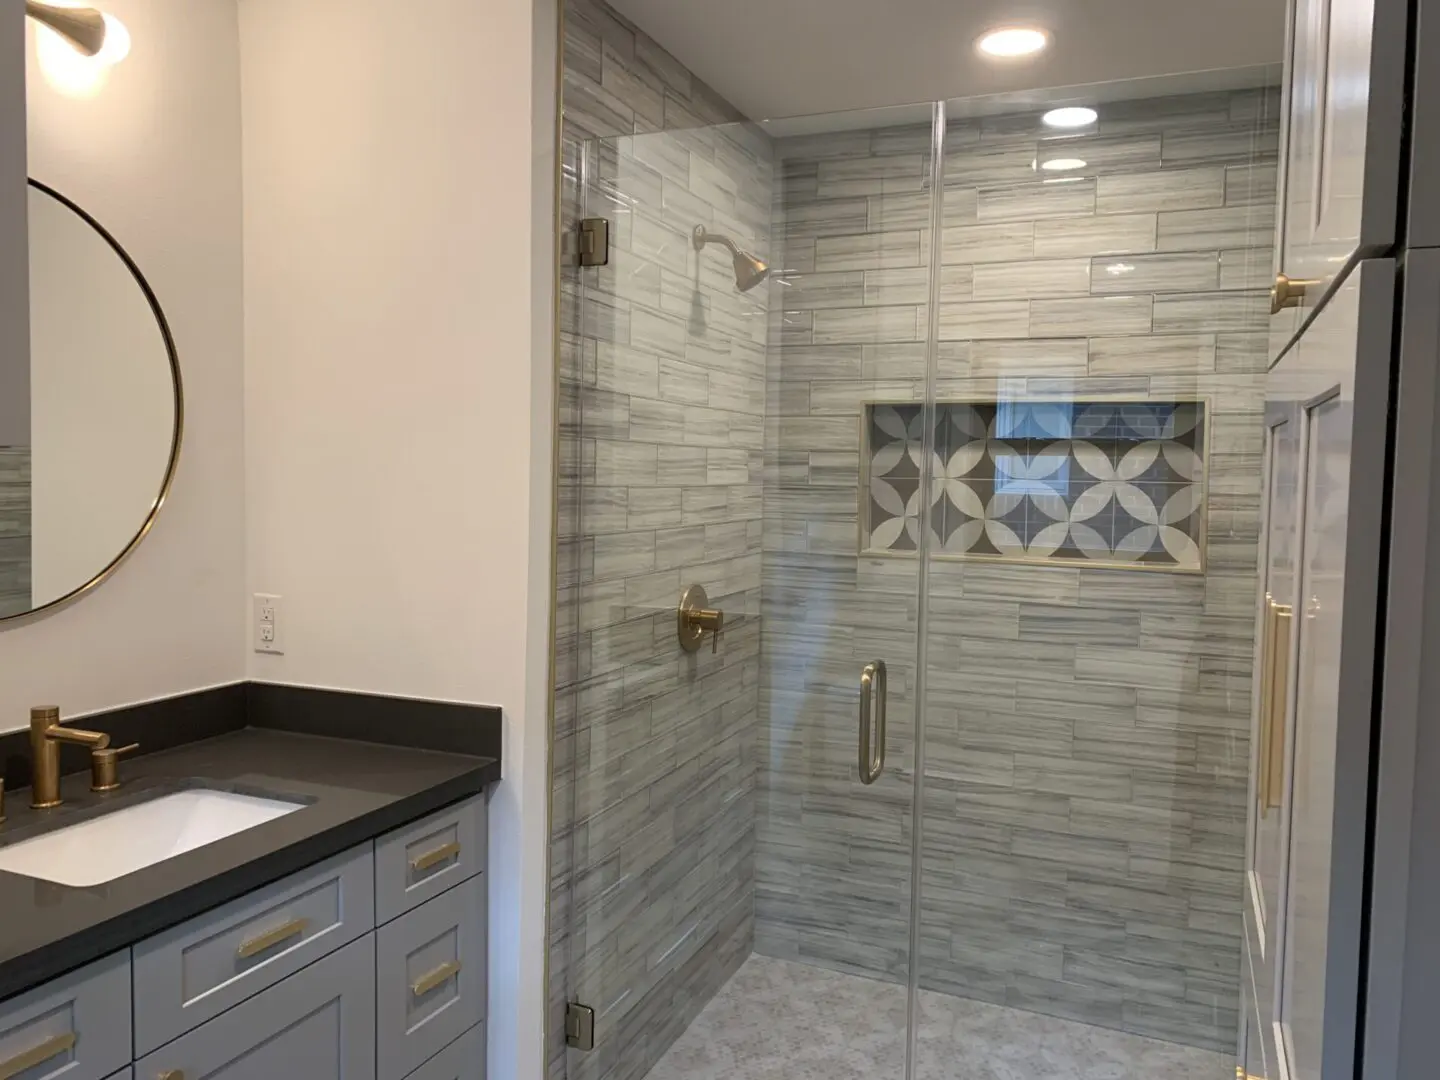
pixel 1279 702
pixel 28 1059
pixel 173 1074
pixel 268 940
pixel 1274 699
pixel 438 855
pixel 1288 293
pixel 430 980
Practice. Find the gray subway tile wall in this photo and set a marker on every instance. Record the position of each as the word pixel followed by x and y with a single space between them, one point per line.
pixel 662 386
pixel 1086 730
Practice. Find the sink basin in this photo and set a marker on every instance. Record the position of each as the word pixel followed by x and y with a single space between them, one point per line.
pixel 118 843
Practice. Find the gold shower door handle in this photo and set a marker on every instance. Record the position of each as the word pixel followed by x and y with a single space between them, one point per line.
pixel 873 687
pixel 1274 700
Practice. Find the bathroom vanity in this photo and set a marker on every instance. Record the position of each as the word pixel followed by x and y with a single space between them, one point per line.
pixel 340 936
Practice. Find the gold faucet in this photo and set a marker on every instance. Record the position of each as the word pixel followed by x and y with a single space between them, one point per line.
pixel 46 735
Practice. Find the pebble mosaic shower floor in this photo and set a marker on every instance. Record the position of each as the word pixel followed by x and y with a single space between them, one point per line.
pixel 779 1020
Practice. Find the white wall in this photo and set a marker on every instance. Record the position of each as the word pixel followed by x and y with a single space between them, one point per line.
pixel 155 156
pixel 398 388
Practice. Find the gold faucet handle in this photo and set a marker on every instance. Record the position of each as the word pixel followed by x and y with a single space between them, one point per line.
pixel 104 774
pixel 717 625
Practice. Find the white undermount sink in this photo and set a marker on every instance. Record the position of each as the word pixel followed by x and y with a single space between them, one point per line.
pixel 112 845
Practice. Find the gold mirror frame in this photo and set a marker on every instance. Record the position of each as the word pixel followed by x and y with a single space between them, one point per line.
pixel 179 399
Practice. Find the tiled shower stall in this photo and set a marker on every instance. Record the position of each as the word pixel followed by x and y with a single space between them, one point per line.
pixel 1088 596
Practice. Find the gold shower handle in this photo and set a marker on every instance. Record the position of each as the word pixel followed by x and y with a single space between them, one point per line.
pixel 874 687
pixel 694 617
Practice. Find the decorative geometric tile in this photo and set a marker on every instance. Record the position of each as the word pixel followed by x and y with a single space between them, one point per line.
pixel 1114 483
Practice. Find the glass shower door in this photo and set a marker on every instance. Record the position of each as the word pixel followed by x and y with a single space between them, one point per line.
pixel 737 678
pixel 1090 626
pixel 825 416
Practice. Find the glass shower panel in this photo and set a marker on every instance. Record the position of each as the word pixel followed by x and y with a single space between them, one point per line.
pixel 1089 608
pixel 723 860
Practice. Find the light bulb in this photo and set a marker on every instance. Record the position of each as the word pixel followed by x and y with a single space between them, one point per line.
pixel 1062 164
pixel 1072 116
pixel 117 42
pixel 69 70
pixel 1010 42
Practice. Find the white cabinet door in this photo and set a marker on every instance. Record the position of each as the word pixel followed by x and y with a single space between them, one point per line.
pixel 1326 399
pixel 1344 108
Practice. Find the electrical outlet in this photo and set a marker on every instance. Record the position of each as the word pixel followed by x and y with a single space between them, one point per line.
pixel 267 624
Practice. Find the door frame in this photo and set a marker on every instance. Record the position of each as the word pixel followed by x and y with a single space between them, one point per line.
pixel 1402 995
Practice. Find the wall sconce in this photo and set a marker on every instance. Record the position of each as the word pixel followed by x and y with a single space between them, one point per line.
pixel 77 45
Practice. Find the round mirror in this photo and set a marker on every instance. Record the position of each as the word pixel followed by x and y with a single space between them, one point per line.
pixel 90 421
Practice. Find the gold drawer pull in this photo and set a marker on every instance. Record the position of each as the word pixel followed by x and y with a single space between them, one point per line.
pixel 439 855
pixel 441 975
pixel 173 1074
pixel 268 940
pixel 28 1059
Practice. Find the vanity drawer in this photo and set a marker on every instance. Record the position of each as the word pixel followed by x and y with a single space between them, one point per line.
pixel 316 1025
pixel 422 860
pixel 430 984
pixel 464 1059
pixel 188 975
pixel 77 1026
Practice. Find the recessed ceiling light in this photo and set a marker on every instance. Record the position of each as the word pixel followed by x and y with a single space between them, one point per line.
pixel 1009 42
pixel 1062 164
pixel 1072 116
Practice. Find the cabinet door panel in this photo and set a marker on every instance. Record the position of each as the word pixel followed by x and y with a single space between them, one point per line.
pixel 464 1059
pixel 1281 509
pixel 197 970
pixel 422 860
pixel 431 964
pixel 1329 395
pixel 318 1024
pixel 1342 141
pixel 76 1027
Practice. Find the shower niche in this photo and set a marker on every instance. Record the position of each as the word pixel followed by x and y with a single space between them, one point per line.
pixel 1120 484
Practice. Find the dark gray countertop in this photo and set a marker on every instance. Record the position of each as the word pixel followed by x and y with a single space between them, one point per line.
pixel 354 792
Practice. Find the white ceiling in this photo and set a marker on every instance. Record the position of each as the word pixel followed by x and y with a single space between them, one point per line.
pixel 778 58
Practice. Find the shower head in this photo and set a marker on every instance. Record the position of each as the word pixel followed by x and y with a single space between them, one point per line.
pixel 749 271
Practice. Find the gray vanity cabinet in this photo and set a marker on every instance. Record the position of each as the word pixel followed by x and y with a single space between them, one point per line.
pixel 199 969
pixel 368 966
pixel 464 1059
pixel 77 1027
pixel 420 861
pixel 319 1024
pixel 432 978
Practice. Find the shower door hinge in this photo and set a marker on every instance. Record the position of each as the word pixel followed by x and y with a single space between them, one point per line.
pixel 594 242
pixel 579 1026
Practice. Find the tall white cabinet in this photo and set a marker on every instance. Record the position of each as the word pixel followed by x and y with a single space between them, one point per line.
pixel 1326 423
